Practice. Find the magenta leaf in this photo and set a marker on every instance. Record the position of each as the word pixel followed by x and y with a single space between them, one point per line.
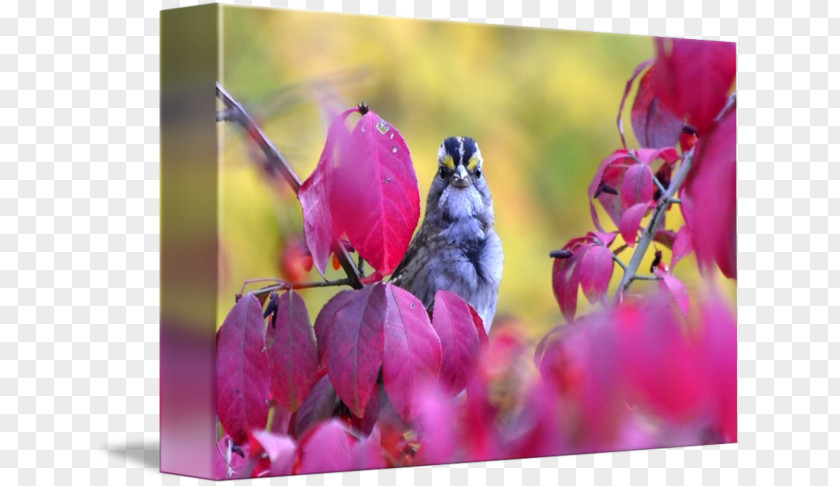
pixel 675 287
pixel 708 197
pixel 654 124
pixel 367 453
pixel 682 246
pixel 719 347
pixel 292 352
pixel 438 441
pixel 377 201
pixel 280 450
pixel 459 329
pixel 604 238
pixel 693 78
pixel 314 196
pixel 630 221
pixel 242 377
pixel 318 407
pixel 609 175
pixel 641 67
pixel 326 448
pixel 326 319
pixel 565 277
pixel 596 269
pixel 637 186
pixel 354 346
pixel 648 155
pixel 412 353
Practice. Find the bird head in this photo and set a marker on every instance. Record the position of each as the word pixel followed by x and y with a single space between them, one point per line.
pixel 459 162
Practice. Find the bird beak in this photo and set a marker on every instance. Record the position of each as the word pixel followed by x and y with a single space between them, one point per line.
pixel 461 178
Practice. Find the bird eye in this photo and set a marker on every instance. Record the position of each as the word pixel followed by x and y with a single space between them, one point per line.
pixel 442 172
pixel 478 173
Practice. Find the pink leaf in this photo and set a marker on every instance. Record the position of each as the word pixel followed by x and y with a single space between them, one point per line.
pixel 326 319
pixel 458 330
pixel 654 124
pixel 609 174
pixel 675 287
pixel 708 197
pixel 667 154
pixel 630 221
pixel 280 450
pixel 326 448
pixel 637 186
pixel 606 239
pixel 438 441
pixel 367 453
pixel 641 67
pixel 682 246
pixel 318 406
pixel 314 196
pixel 242 378
pixel 565 279
pixel 693 78
pixel 719 347
pixel 292 352
pixel 377 201
pixel 596 269
pixel 412 353
pixel 354 346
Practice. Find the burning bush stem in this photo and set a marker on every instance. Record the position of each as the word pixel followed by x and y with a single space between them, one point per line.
pixel 647 235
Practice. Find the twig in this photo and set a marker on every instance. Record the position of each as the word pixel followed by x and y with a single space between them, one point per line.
pixel 645 277
pixel 647 235
pixel 620 263
pixel 238 114
pixel 301 285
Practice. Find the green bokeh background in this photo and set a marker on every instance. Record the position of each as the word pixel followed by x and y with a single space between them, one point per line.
pixel 541 103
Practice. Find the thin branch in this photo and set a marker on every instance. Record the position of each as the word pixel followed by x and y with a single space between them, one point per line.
pixel 238 114
pixel 302 285
pixel 659 213
pixel 620 263
pixel 646 277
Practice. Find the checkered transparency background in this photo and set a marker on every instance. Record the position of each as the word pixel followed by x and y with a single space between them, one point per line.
pixel 79 228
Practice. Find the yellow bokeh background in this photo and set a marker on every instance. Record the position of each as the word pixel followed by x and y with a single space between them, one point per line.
pixel 542 105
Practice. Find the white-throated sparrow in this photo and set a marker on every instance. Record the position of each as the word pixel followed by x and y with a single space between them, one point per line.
pixel 456 248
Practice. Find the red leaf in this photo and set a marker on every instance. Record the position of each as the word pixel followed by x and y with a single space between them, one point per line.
pixel 654 124
pixel 641 67
pixel 377 201
pixel 314 196
pixel 637 186
pixel 326 448
pixel 675 287
pixel 295 260
pixel 630 221
pixel 693 78
pixel 459 328
pixel 565 278
pixel 317 407
pixel 292 352
pixel 682 246
pixel 596 269
pixel 242 378
pixel 708 197
pixel 412 353
pixel 326 319
pixel 354 346
pixel 280 450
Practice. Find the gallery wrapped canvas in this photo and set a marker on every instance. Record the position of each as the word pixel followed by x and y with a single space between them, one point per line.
pixel 390 242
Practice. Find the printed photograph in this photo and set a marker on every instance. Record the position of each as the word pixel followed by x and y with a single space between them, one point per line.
pixel 446 242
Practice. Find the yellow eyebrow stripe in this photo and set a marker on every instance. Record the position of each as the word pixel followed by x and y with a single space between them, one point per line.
pixel 448 162
pixel 473 163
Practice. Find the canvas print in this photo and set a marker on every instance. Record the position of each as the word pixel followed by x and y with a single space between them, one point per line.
pixel 442 242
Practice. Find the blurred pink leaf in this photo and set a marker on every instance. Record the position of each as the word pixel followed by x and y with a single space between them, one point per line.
pixel 314 196
pixel 675 287
pixel 377 202
pixel 412 352
pixel 459 328
pixel 641 67
pixel 242 377
pixel 596 269
pixel 682 246
pixel 719 348
pixel 708 197
pixel 280 450
pixel 292 352
pixel 367 453
pixel 630 221
pixel 637 186
pixel 354 346
pixel 693 78
pixel 654 124
pixel 436 423
pixel 326 448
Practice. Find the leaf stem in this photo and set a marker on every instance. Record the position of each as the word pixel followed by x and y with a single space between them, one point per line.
pixel 302 285
pixel 647 235
pixel 236 113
